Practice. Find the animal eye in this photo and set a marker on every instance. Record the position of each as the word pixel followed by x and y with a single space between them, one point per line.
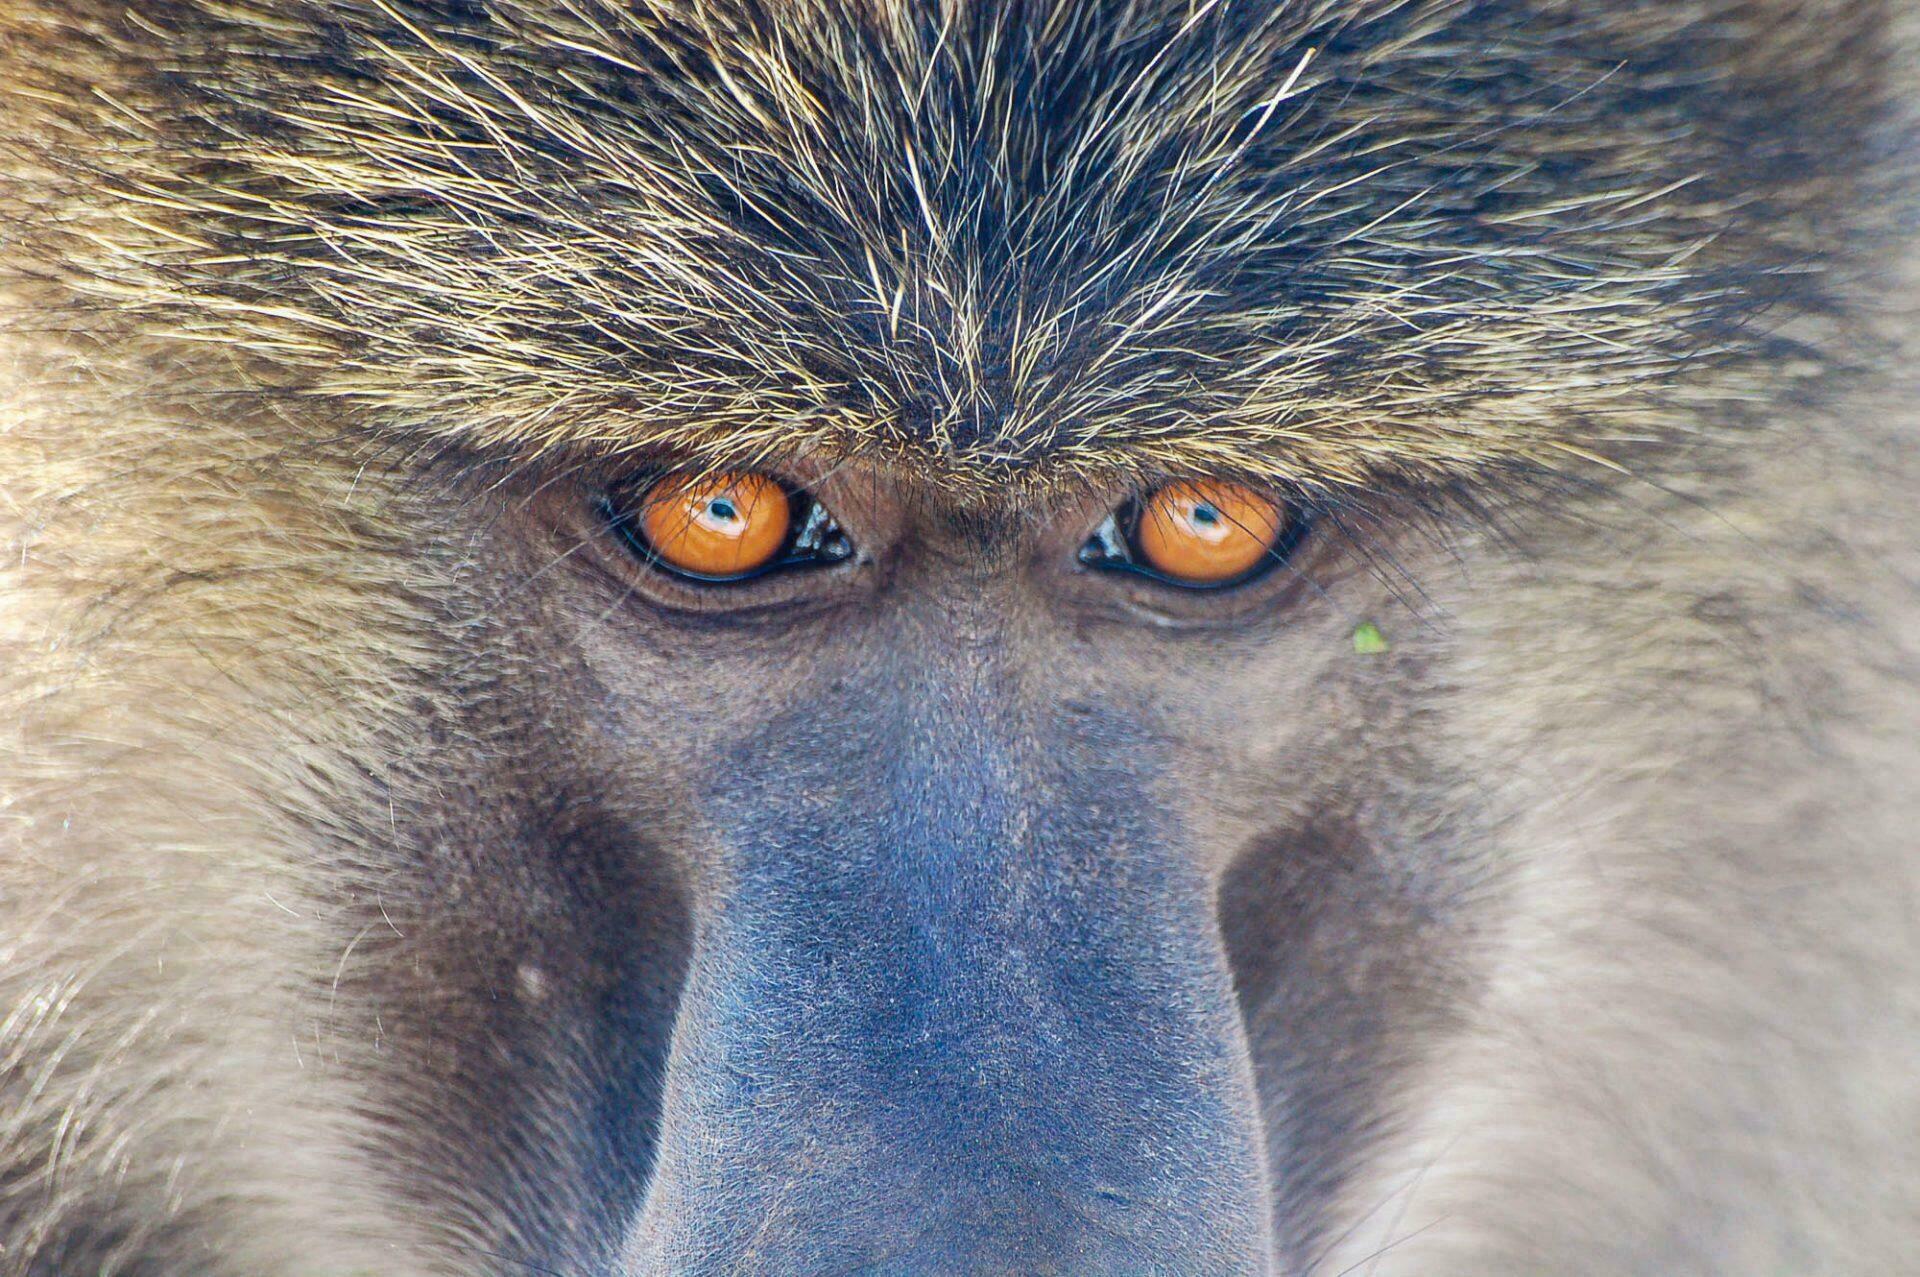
pixel 725 526
pixel 1199 533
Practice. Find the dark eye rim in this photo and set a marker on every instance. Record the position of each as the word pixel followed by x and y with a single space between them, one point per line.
pixel 1114 547
pixel 814 539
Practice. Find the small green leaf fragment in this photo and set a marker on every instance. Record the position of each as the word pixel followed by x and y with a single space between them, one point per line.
pixel 1369 641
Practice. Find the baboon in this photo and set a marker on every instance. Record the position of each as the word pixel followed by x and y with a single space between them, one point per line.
pixel 667 638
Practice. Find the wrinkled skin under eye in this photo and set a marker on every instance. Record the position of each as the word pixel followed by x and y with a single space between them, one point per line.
pixel 1202 534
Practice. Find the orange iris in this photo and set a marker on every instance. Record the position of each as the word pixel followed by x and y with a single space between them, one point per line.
pixel 716 525
pixel 1208 531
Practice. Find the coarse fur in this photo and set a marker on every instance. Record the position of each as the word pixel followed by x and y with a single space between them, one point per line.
pixel 354 919
pixel 1327 241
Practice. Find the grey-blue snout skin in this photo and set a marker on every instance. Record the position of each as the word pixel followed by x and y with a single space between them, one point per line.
pixel 965 1015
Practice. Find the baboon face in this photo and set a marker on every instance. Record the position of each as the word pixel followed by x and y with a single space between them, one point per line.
pixel 675 639
pixel 929 842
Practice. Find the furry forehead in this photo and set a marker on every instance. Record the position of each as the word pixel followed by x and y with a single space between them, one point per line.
pixel 1319 241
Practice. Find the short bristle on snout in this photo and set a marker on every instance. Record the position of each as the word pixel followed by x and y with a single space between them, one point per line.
pixel 1331 244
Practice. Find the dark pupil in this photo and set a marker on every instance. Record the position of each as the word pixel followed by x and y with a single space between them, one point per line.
pixel 723 509
pixel 1205 515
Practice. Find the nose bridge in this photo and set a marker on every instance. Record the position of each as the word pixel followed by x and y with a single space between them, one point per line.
pixel 970 1028
pixel 946 939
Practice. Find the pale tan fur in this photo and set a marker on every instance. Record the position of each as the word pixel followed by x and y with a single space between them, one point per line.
pixel 176 698
pixel 1699 1052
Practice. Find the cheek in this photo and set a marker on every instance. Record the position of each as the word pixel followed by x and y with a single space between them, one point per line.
pixel 518 969
pixel 1330 790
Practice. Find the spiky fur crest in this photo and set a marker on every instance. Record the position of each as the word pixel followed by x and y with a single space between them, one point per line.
pixel 1327 243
